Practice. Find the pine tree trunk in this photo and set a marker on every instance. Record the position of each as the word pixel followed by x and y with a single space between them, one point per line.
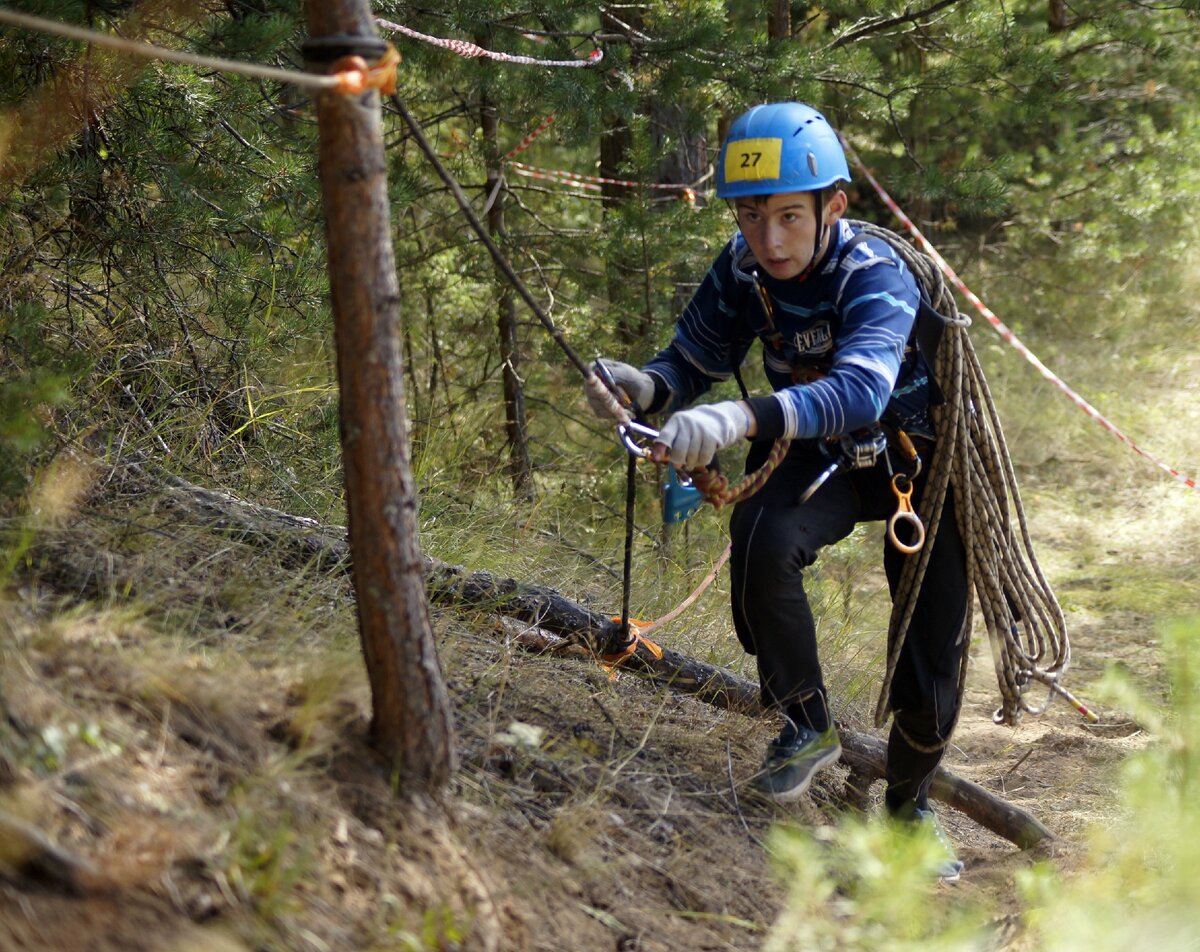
pixel 520 466
pixel 616 139
pixel 1057 15
pixel 779 20
pixel 411 708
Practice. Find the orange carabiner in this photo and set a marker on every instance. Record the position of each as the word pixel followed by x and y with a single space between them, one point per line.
pixel 904 513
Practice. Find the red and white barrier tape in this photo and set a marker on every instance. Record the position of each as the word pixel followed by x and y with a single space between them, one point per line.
pixel 528 140
pixel 552 175
pixel 594 182
pixel 472 51
pixel 1003 329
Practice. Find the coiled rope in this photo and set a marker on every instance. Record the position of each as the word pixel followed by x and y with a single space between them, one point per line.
pixel 1024 621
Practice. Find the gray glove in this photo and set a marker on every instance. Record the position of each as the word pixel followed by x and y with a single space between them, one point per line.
pixel 638 386
pixel 694 436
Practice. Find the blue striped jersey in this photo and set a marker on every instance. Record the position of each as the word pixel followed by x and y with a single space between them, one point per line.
pixel 852 319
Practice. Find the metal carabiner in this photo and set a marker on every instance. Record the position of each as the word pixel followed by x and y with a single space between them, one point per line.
pixel 910 451
pixel 904 513
pixel 629 434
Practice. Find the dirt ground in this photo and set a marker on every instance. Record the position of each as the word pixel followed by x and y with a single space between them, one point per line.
pixel 210 786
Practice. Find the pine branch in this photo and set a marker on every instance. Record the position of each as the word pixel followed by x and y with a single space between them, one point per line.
pixel 880 25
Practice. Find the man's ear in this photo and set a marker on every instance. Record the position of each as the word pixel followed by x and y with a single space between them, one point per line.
pixel 836 207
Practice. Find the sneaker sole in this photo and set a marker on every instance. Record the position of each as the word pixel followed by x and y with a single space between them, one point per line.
pixel 952 878
pixel 791 796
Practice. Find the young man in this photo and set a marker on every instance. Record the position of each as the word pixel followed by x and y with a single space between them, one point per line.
pixel 835 315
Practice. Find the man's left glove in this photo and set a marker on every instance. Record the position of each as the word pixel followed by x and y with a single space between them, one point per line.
pixel 694 436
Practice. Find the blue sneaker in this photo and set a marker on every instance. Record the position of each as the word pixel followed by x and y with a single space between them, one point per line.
pixel 793 758
pixel 949 867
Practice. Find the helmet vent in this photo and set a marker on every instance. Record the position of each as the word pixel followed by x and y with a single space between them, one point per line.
pixel 812 163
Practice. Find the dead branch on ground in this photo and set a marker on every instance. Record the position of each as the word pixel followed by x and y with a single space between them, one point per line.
pixel 556 624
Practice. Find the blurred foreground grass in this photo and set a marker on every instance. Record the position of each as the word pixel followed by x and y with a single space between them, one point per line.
pixel 860 885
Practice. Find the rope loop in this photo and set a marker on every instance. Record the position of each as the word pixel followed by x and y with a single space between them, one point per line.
pixel 715 486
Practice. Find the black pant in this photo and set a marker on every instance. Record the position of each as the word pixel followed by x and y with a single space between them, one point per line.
pixel 775 538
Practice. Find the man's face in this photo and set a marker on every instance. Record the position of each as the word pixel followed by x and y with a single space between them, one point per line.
pixel 780 230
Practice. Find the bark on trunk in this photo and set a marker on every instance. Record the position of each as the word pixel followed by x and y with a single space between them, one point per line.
pixel 779 20
pixel 616 139
pixel 411 709
pixel 1057 16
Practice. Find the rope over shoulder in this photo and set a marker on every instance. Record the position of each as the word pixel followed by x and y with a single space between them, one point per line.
pixel 1024 621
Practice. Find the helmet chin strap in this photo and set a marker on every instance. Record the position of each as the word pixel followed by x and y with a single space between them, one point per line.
pixel 818 239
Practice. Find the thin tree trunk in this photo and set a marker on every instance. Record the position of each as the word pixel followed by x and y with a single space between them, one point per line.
pixel 515 422
pixel 411 708
pixel 616 139
pixel 779 20
pixel 1057 16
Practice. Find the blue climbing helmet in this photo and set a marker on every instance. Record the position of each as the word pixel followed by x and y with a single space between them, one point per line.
pixel 780 147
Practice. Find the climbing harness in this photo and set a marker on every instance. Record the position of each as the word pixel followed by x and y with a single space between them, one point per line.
pixel 863 449
pixel 857 450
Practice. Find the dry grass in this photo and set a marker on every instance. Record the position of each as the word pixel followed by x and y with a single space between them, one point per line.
pixel 189 717
pixel 205 750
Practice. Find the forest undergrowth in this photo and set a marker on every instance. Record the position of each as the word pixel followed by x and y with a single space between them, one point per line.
pixel 186 721
pixel 184 755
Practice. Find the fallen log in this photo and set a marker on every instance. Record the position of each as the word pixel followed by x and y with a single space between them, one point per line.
pixel 866 756
pixel 556 623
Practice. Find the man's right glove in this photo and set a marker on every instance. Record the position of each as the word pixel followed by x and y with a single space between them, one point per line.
pixel 638 386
